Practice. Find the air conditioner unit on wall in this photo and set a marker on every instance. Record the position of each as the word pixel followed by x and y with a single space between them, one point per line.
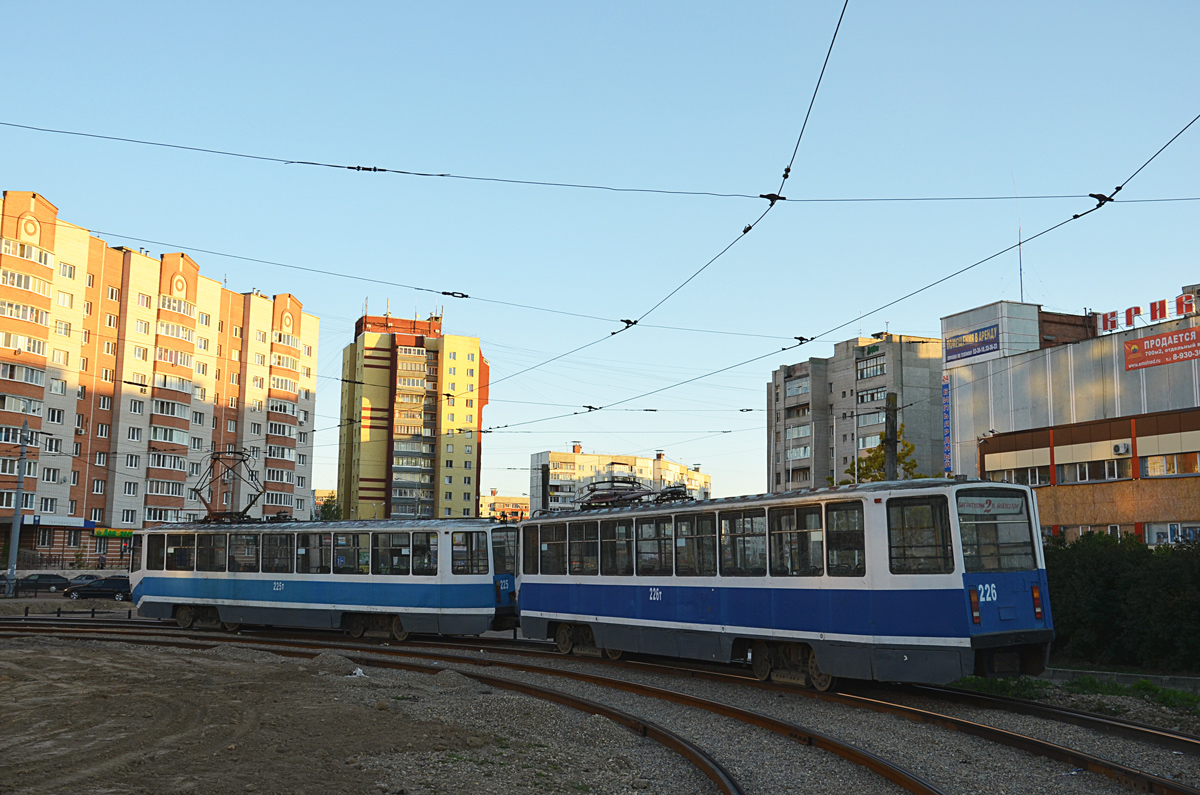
pixel 1121 448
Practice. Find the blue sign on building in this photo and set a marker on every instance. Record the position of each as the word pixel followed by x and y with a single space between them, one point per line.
pixel 973 343
pixel 947 462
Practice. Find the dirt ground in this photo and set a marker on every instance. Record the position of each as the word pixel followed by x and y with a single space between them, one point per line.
pixel 83 716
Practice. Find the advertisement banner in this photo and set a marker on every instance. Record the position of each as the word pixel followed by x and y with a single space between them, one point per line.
pixel 973 343
pixel 947 464
pixel 1175 346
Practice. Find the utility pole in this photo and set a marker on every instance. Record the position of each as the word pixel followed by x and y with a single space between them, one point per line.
pixel 889 438
pixel 15 539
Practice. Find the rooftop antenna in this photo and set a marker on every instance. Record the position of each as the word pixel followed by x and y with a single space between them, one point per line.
pixel 1020 252
pixel 388 310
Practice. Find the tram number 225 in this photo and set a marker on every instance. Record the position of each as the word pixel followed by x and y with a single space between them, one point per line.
pixel 987 592
pixel 656 594
pixel 278 586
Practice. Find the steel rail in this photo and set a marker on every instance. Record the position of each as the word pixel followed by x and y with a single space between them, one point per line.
pixel 707 765
pixel 1133 730
pixel 1130 777
pixel 876 764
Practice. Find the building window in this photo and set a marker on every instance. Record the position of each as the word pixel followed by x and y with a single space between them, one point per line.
pixel 136 406
pixel 133 461
pixel 128 516
pixel 1156 466
pixel 870 367
pixel 97 486
pixel 66 271
pixel 48 505
pixel 131 488
pixel 105 402
pixel 110 321
pixel 144 300
pixel 102 429
pixel 114 294
pixel 135 434
pixel 205 319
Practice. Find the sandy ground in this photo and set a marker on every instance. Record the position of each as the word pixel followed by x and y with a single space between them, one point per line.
pixel 83 716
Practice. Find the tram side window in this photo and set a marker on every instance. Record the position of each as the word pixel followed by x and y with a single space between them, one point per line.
pixel 135 554
pixel 696 545
pixel 156 548
pixel 504 550
pixel 743 544
pixel 529 549
pixel 796 542
pixel 616 548
pixel 243 552
pixel 469 552
pixel 313 553
pixel 277 554
pixel 181 552
pixel 210 552
pixel 351 553
pixel 996 532
pixel 844 530
pixel 554 548
pixel 584 547
pixel 919 535
pixel 655 550
pixel 425 554
pixel 390 553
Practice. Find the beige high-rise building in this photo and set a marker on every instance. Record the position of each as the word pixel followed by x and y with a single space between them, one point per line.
pixel 557 478
pixel 412 408
pixel 130 370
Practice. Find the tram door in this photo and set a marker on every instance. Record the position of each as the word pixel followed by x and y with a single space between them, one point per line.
pixel 504 568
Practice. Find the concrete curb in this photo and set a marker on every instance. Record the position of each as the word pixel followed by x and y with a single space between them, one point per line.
pixel 1191 683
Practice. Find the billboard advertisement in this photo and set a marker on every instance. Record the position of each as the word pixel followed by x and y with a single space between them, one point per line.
pixel 973 343
pixel 1169 348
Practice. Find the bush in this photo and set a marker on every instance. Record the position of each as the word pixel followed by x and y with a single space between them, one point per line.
pixel 1125 604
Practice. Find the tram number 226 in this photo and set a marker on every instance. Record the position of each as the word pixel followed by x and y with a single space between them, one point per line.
pixel 656 594
pixel 278 586
pixel 987 592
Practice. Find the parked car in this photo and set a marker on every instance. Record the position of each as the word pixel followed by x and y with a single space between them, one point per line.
pixel 41 582
pixel 85 578
pixel 116 588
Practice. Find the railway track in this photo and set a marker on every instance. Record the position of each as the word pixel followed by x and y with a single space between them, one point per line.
pixel 878 701
pixel 390 657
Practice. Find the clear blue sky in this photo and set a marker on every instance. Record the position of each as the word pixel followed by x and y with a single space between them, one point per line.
pixel 920 99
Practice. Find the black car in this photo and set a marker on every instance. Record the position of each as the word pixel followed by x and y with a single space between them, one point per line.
pixel 116 588
pixel 41 582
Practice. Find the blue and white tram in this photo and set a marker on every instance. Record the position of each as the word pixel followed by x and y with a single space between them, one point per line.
pixel 378 578
pixel 911 581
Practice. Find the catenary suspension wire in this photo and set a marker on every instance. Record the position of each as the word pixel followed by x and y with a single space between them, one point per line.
pixel 1101 200
pixel 771 197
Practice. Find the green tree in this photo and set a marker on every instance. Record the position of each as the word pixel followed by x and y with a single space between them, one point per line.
pixel 870 466
pixel 330 511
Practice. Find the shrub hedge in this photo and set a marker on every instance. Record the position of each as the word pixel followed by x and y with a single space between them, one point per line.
pixel 1125 604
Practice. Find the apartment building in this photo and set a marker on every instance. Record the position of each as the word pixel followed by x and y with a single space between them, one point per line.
pixel 412 408
pixel 1100 413
pixel 130 370
pixel 825 412
pixel 557 478
pixel 503 508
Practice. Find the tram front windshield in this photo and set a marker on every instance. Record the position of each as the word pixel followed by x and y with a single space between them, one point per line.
pixel 996 532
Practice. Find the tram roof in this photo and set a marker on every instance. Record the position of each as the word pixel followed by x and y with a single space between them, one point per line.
pixel 331 527
pixel 753 499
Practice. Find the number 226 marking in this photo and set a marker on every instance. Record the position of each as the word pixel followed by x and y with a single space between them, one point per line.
pixel 987 592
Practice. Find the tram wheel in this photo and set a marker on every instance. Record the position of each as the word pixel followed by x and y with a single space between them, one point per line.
pixel 760 661
pixel 563 639
pixel 230 627
pixel 614 654
pixel 398 630
pixel 185 617
pixel 817 678
pixel 356 625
